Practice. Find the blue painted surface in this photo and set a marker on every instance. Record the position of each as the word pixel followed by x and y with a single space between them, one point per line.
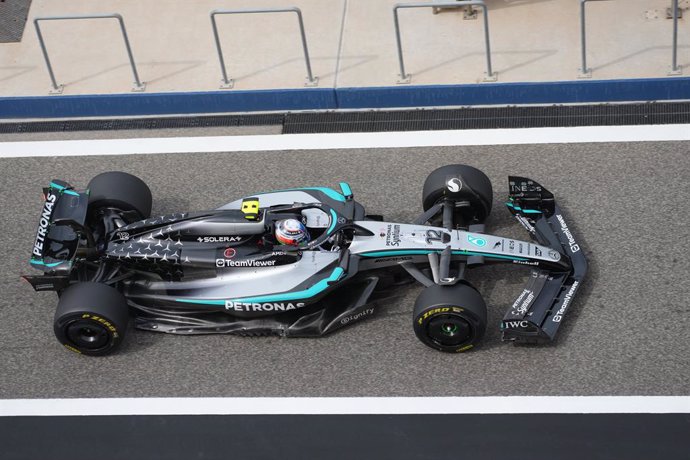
pixel 651 89
pixel 166 103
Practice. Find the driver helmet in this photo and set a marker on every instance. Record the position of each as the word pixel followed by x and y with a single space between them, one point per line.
pixel 291 232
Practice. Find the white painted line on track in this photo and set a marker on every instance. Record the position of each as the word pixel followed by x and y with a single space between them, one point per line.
pixel 650 133
pixel 324 406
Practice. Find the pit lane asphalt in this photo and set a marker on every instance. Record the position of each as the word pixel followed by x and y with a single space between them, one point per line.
pixel 626 334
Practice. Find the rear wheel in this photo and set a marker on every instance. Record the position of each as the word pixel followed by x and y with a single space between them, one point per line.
pixel 120 190
pixel 91 319
pixel 467 187
pixel 450 318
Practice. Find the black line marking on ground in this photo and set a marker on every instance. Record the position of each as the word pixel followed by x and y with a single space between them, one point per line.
pixel 392 120
pixel 451 436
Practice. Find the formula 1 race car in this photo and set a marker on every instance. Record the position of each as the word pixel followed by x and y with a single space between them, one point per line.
pixel 300 262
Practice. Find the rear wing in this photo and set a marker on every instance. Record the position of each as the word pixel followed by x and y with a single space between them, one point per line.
pixel 538 312
pixel 57 236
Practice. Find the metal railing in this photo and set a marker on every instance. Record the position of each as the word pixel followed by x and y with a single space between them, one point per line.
pixel 675 68
pixel 57 89
pixel 229 83
pixel 406 78
pixel 585 72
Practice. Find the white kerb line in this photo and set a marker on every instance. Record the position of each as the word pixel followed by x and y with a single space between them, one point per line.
pixel 651 133
pixel 337 406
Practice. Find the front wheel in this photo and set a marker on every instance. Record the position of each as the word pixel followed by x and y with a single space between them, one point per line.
pixel 461 184
pixel 450 318
pixel 91 318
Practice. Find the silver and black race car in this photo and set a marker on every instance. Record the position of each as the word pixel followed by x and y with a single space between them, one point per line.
pixel 300 262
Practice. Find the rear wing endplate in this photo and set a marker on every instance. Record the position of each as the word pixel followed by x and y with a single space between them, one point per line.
pixel 57 235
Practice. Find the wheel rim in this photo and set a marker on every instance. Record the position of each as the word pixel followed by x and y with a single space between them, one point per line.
pixel 449 330
pixel 88 335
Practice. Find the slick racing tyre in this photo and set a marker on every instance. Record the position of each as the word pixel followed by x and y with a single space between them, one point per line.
pixel 460 183
pixel 91 319
pixel 450 318
pixel 120 190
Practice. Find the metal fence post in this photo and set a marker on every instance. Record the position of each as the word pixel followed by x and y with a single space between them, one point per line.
pixel 407 78
pixel 57 89
pixel 675 68
pixel 138 85
pixel 227 83
pixel 583 71
pixel 403 77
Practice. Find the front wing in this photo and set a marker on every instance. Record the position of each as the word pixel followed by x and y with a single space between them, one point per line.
pixel 538 312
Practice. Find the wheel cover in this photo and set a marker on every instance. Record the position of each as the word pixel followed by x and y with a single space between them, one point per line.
pixel 88 335
pixel 449 330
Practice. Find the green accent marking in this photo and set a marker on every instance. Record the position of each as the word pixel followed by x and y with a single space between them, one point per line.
pixel 345 187
pixel 496 256
pixel 298 295
pixel 307 293
pixel 395 252
pixel 476 240
pixel 63 189
pixel 201 302
pixel 526 211
pixel 334 220
pixel 328 191
pixel 54 264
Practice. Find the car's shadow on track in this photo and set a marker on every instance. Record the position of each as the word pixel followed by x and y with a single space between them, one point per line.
pixel 138 340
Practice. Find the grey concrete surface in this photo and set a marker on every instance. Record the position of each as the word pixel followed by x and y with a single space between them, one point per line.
pixel 626 333
pixel 351 44
pixel 145 133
